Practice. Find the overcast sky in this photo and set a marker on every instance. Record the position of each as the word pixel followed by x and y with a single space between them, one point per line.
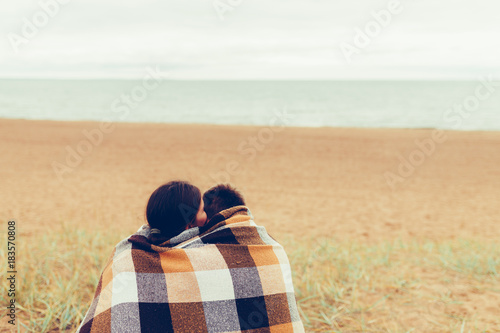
pixel 257 39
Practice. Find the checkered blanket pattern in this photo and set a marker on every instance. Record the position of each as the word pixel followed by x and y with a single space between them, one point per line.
pixel 229 276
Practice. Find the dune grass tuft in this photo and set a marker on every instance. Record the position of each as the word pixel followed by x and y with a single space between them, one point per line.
pixel 57 276
pixel 412 286
pixel 341 286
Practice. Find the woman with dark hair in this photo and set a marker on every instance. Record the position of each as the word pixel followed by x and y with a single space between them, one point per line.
pixel 173 208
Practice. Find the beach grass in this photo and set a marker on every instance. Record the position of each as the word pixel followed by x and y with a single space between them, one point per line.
pixel 399 286
pixel 341 285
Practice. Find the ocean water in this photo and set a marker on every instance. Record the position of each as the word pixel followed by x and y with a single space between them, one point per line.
pixel 464 105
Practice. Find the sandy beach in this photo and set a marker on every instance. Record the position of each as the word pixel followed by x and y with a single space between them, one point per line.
pixel 418 188
pixel 331 182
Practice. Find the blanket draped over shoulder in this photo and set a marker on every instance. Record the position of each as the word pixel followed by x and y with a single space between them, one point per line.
pixel 229 276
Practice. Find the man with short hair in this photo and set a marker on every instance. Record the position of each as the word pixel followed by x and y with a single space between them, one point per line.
pixel 247 247
pixel 221 197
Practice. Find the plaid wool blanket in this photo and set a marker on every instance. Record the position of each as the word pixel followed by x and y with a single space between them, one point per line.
pixel 229 276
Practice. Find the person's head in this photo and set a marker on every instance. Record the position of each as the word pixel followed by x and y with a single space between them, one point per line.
pixel 175 206
pixel 221 197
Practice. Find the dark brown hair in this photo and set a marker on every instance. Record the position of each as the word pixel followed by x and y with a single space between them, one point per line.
pixel 172 207
pixel 221 197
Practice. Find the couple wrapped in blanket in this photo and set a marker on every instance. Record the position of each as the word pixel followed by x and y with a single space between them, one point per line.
pixel 195 274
